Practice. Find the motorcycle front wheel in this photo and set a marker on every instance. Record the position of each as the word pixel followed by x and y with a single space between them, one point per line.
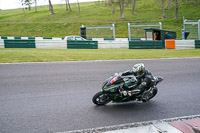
pixel 148 95
pixel 153 93
pixel 100 98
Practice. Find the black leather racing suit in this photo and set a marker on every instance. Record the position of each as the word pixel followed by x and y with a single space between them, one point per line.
pixel 144 82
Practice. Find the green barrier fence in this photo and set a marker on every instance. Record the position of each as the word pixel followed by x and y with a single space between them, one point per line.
pixel 3 37
pixel 134 39
pixel 139 44
pixel 89 39
pixel 19 43
pixel 47 37
pixel 82 44
pixel 17 38
pixel 31 38
pixel 197 43
pixel 109 39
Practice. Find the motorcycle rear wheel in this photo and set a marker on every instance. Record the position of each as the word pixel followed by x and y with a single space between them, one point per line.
pixel 100 98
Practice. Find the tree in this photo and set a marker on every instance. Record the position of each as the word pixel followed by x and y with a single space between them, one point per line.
pixel 169 4
pixel 35 5
pixel 113 7
pixel 51 7
pixel 133 10
pixel 67 3
pixel 163 9
pixel 27 4
pixel 79 8
pixel 177 5
pixel 111 3
pixel 22 2
pixel 121 5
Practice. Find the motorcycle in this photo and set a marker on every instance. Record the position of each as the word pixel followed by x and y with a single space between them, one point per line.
pixel 114 86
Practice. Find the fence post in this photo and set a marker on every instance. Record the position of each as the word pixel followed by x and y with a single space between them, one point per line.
pixel 160 25
pixel 113 31
pixel 129 31
pixel 199 28
pixel 184 24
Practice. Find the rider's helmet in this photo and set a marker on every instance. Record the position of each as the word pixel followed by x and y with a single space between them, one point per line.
pixel 139 70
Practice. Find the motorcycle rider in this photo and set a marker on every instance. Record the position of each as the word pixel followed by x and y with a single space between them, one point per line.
pixel 144 78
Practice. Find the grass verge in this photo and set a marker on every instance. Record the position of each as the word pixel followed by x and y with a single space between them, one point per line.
pixel 49 55
pixel 63 23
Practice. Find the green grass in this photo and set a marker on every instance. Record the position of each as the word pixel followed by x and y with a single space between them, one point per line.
pixel 49 55
pixel 63 23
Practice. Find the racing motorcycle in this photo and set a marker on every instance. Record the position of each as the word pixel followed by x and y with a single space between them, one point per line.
pixel 114 86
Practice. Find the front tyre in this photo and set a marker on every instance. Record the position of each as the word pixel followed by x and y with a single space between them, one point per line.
pixel 146 96
pixel 153 93
pixel 100 98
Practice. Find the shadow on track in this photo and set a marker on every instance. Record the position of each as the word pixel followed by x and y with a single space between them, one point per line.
pixel 128 107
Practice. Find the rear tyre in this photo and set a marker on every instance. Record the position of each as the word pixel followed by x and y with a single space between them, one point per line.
pixel 100 98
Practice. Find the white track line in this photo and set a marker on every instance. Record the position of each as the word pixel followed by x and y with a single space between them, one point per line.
pixel 102 60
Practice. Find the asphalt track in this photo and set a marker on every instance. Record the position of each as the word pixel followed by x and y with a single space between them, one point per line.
pixel 56 97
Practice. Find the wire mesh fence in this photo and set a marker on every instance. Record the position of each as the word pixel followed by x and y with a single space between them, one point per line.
pixel 137 30
pixel 101 32
pixel 192 26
